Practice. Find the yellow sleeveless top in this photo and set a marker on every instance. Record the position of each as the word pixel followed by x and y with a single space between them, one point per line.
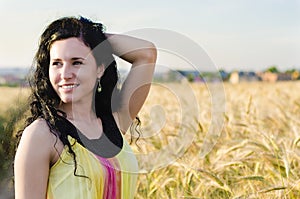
pixel 96 177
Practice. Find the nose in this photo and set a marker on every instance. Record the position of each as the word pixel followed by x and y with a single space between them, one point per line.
pixel 67 72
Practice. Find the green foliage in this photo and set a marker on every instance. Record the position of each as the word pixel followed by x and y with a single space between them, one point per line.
pixel 190 77
pixel 272 69
pixel 289 71
pixel 8 127
pixel 10 85
pixel 3 142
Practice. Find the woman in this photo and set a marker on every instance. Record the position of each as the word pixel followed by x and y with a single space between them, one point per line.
pixel 73 146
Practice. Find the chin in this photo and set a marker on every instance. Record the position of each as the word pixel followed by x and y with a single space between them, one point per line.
pixel 66 100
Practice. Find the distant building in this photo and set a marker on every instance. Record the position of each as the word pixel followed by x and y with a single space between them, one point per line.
pixel 11 80
pixel 13 76
pixel 191 75
pixel 241 76
pixel 268 76
pixel 284 76
pixel 224 75
pixel 273 77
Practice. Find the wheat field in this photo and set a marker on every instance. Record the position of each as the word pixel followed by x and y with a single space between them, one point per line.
pixel 11 96
pixel 255 155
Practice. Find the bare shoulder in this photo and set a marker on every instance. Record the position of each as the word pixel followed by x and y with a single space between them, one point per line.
pixel 40 124
pixel 38 131
pixel 37 138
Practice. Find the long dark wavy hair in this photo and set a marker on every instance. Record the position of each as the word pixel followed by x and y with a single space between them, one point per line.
pixel 44 101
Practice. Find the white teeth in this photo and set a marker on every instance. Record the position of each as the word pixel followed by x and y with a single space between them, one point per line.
pixel 69 86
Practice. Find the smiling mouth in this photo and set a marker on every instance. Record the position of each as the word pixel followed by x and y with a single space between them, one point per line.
pixel 69 86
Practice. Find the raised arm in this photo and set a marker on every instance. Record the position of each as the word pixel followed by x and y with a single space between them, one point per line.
pixel 142 55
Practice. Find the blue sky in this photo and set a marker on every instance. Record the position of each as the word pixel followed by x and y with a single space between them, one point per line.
pixel 236 34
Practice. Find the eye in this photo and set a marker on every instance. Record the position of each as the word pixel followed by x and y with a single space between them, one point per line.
pixel 77 63
pixel 56 63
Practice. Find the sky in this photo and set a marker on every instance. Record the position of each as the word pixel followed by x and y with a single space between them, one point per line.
pixel 235 34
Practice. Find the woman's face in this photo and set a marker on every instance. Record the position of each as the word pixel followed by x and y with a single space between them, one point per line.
pixel 73 71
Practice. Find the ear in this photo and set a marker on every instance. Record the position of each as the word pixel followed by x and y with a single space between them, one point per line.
pixel 100 70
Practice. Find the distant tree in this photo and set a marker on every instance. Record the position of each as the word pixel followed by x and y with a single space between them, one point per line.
pixel 190 77
pixel 290 71
pixel 272 69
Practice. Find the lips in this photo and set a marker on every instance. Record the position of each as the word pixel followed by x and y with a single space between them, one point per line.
pixel 68 86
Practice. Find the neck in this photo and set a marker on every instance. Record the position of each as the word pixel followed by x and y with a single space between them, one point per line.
pixel 79 112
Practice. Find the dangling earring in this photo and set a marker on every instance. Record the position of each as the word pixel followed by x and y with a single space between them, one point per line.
pixel 99 89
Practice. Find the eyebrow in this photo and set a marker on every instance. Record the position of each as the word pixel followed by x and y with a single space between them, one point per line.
pixel 72 59
pixel 76 58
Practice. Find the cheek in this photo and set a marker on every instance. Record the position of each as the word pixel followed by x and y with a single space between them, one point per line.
pixel 53 76
pixel 87 76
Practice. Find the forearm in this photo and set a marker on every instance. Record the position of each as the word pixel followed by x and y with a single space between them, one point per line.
pixel 133 50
